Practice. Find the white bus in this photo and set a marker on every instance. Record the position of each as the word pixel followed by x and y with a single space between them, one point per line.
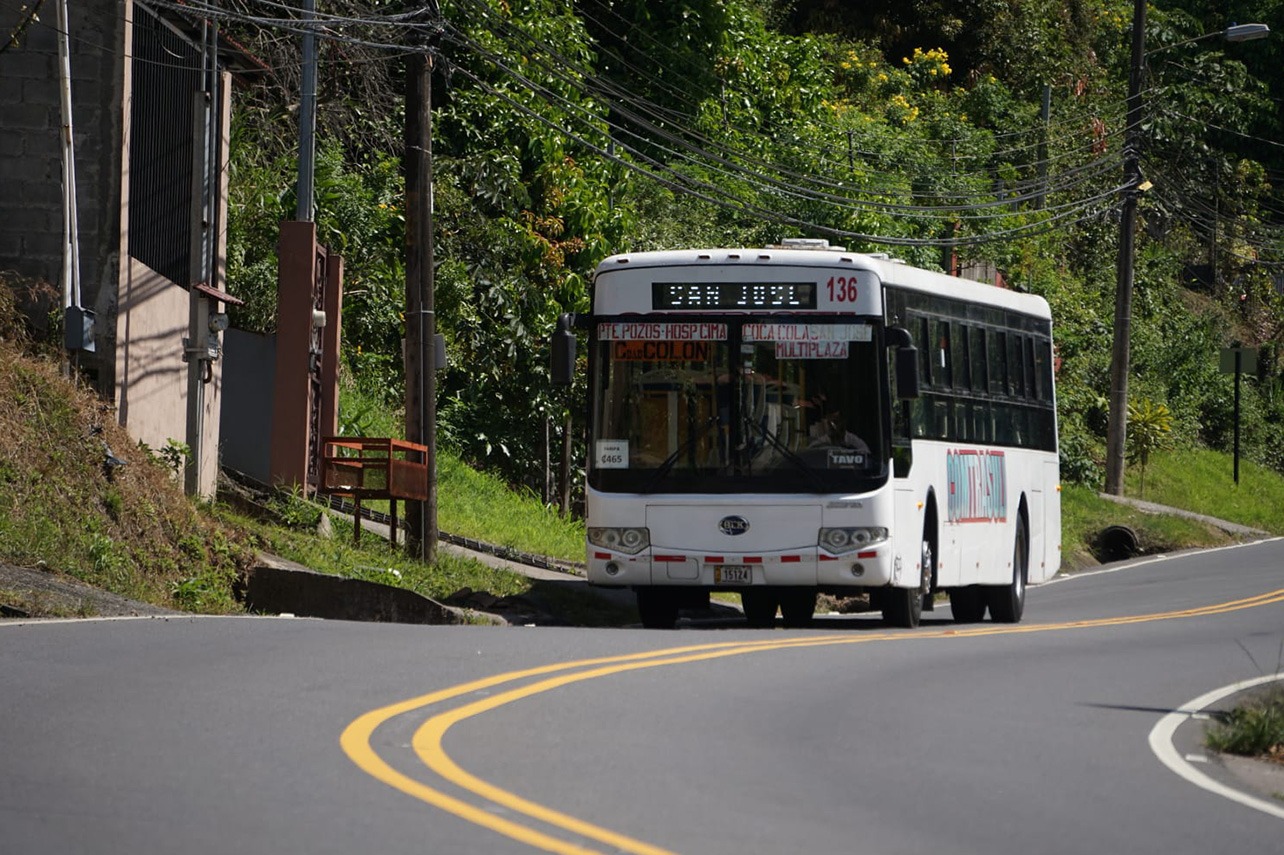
pixel 800 419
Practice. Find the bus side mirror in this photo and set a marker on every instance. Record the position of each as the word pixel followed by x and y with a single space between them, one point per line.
pixel 563 349
pixel 906 362
pixel 907 372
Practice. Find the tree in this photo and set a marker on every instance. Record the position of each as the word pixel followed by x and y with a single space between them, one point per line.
pixel 1149 430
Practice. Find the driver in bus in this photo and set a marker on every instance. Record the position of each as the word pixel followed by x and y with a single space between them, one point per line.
pixel 831 429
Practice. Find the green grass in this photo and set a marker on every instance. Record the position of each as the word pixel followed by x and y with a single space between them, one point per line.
pixel 126 529
pixel 474 504
pixel 374 560
pixel 1252 729
pixel 1196 480
pixel 471 503
pixel 1084 515
pixel 1203 481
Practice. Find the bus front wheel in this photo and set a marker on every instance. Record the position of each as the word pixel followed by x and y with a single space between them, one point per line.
pixel 902 607
pixel 657 608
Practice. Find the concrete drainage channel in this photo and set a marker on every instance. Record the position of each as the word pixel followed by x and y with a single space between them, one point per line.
pixel 1118 543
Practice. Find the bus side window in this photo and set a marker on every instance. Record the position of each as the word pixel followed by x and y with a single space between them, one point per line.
pixel 924 353
pixel 997 353
pixel 940 425
pixel 976 338
pixel 919 410
pixel 1004 422
pixel 1016 376
pixel 1021 425
pixel 1043 371
pixel 962 424
pixel 962 374
pixel 978 422
pixel 942 363
pixel 1027 363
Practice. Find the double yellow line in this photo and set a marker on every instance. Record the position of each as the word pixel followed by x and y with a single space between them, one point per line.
pixel 428 738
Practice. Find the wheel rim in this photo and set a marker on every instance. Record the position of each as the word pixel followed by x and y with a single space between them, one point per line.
pixel 1019 564
pixel 926 558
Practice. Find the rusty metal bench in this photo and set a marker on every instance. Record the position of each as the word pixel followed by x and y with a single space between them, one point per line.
pixel 366 468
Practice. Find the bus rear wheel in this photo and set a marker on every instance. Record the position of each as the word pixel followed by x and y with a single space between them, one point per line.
pixel 797 605
pixel 657 608
pixel 760 607
pixel 1007 602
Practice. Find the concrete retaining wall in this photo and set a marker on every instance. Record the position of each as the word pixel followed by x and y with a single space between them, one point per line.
pixel 279 587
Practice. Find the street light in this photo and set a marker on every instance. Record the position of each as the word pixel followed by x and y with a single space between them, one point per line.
pixel 1116 428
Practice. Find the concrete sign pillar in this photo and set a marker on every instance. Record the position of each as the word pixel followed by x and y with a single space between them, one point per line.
pixel 305 404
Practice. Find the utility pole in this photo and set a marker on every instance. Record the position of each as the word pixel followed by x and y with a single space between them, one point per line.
pixel 1045 115
pixel 70 228
pixel 421 384
pixel 197 346
pixel 1117 425
pixel 304 206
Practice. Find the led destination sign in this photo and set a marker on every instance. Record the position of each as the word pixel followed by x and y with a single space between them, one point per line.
pixel 661 351
pixel 733 295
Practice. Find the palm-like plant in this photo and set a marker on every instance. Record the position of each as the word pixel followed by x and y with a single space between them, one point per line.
pixel 1150 427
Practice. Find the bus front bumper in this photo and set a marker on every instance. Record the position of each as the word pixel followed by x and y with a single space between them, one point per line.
pixel 870 567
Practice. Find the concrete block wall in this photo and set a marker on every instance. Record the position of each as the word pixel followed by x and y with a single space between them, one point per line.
pixel 31 197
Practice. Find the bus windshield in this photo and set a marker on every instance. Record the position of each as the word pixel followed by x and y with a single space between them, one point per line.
pixel 738 405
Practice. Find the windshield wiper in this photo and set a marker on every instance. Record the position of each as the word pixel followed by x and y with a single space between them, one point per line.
pixel 663 469
pixel 789 455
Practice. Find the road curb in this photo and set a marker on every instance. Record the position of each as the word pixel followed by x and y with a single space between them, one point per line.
pixel 1252 783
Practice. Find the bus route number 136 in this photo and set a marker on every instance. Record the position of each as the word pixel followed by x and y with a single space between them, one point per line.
pixel 842 289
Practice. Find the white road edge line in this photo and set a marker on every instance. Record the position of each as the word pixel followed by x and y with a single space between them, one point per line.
pixel 1161 743
pixel 178 616
pixel 1063 576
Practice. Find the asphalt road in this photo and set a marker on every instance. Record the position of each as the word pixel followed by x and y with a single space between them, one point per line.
pixel 252 735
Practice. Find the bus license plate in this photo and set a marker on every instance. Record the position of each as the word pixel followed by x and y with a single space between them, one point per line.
pixel 732 574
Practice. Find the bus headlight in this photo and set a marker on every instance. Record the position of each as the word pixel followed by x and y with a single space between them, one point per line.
pixel 840 540
pixel 630 541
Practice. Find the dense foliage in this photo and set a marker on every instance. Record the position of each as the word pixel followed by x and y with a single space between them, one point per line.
pixel 564 132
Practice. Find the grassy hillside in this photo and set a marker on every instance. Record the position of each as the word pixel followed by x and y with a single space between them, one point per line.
pixel 1200 480
pixel 476 505
pixel 80 497
pixel 1189 479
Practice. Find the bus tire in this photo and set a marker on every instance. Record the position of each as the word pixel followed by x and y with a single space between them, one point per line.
pixel 657 608
pixel 797 605
pixel 967 604
pixel 760 607
pixel 902 607
pixel 1007 602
